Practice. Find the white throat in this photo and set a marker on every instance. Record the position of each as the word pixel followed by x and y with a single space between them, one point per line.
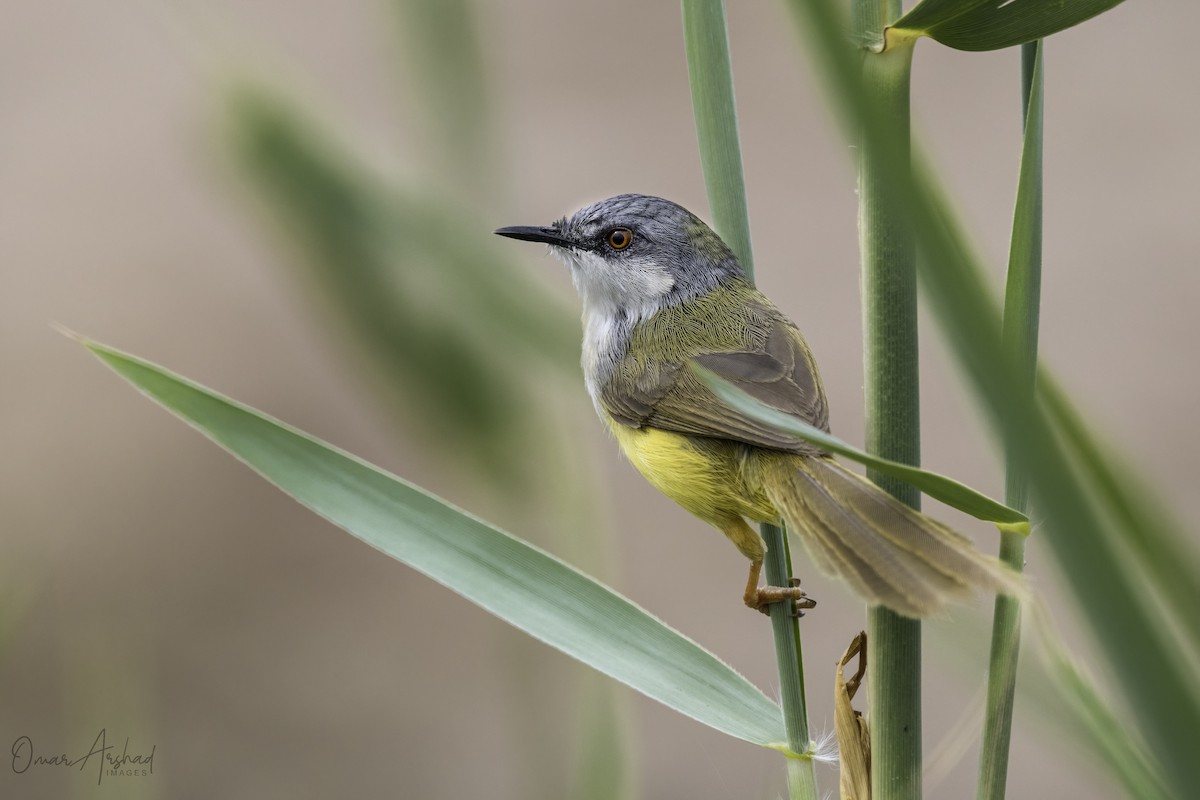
pixel 616 297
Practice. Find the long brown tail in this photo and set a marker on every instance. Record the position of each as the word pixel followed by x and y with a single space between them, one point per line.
pixel 889 553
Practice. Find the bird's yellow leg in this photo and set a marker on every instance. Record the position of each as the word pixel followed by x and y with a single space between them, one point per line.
pixel 760 597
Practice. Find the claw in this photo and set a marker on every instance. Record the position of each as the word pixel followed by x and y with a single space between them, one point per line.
pixel 801 603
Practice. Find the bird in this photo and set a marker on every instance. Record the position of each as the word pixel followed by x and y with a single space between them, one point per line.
pixel 660 292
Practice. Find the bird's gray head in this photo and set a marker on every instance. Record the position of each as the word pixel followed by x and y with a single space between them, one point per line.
pixel 633 254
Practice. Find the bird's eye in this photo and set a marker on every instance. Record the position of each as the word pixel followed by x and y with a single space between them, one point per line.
pixel 619 238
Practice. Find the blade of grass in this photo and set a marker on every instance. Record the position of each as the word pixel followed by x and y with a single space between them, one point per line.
pixel 937 486
pixel 706 42
pixel 521 584
pixel 1021 307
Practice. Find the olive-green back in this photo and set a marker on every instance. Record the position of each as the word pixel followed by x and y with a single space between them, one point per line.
pixel 736 332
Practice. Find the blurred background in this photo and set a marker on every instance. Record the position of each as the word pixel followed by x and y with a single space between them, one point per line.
pixel 291 203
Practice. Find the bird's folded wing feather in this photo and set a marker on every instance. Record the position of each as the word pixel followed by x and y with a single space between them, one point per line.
pixel 776 370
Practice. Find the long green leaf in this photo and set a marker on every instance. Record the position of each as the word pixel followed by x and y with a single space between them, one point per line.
pixel 995 24
pixel 1022 291
pixel 936 485
pixel 1115 746
pixel 521 584
pixel 1153 539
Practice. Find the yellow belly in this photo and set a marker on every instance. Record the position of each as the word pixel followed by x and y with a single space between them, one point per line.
pixel 705 476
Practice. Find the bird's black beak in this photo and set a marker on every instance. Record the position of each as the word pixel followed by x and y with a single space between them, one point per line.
pixel 529 233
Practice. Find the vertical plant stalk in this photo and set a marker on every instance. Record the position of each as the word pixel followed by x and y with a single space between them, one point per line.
pixel 889 278
pixel 1021 304
pixel 706 41
pixel 710 75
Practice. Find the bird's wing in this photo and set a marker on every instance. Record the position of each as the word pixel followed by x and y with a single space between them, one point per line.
pixel 775 369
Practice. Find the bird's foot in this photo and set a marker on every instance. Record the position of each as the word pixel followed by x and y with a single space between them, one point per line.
pixel 763 597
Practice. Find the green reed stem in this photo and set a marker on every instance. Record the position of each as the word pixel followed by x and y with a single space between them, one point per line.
pixel 889 276
pixel 707 44
pixel 711 77
pixel 1020 332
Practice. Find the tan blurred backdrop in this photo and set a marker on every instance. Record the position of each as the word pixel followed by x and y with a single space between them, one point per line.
pixel 153 587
